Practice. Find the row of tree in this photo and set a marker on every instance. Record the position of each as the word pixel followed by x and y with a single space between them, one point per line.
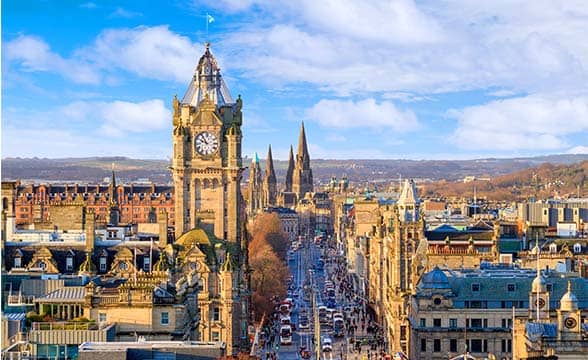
pixel 267 257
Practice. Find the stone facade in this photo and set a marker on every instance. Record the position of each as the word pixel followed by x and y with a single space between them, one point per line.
pixel 207 169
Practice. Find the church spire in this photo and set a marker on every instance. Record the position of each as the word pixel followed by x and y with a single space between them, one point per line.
pixel 302 182
pixel 302 156
pixel 114 216
pixel 290 170
pixel 269 166
pixel 269 182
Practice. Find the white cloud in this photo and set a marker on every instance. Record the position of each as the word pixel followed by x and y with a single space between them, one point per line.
pixel 124 14
pixel 61 143
pixel 336 138
pixel 578 150
pixel 387 22
pixel 536 122
pixel 120 117
pixel 149 52
pixel 88 128
pixel 33 54
pixel 433 47
pixel 362 114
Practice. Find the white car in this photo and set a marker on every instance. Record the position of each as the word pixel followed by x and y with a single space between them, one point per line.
pixel 327 344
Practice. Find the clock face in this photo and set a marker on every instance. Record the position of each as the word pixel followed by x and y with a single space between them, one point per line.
pixel 206 143
pixel 570 323
pixel 541 303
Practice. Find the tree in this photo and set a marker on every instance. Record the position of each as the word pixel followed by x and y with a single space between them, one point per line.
pixel 268 278
pixel 268 229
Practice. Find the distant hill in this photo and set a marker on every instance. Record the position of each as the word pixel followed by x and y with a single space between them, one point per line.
pixel 93 170
pixel 544 181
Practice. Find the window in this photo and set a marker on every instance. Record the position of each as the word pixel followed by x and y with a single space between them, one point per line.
pixel 102 317
pixel 453 345
pixel 215 336
pixel 17 262
pixel 423 344
pixel 437 322
pixel 506 345
pixel 549 287
pixel 476 287
pixel 452 323
pixel 437 345
pixel 69 263
pixel 437 301
pixel 146 263
pixel 103 263
pixel 476 345
pixel 164 318
pixel 510 287
pixel 42 265
pixel 216 314
pixel 423 322
pixel 476 323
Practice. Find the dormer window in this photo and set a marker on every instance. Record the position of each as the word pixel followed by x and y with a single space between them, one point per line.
pixel 552 248
pixel 41 265
pixel 17 262
pixel 103 263
pixel 510 287
pixel 69 263
pixel 476 287
pixel 146 263
pixel 577 248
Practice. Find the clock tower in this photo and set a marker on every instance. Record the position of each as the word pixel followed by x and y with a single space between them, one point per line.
pixel 207 164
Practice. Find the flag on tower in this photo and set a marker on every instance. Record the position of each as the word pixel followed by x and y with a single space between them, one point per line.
pixel 209 18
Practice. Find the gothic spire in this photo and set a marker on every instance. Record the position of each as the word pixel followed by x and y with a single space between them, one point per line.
pixel 113 193
pixel 302 157
pixel 270 174
pixel 290 170
pixel 302 182
pixel 269 182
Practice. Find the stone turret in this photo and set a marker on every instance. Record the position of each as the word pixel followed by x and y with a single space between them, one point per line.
pixel 90 230
pixel 255 186
pixel 408 202
pixel 162 221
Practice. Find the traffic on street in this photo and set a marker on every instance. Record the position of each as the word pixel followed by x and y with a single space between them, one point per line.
pixel 322 316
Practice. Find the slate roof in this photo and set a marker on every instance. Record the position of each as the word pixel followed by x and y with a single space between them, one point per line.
pixel 67 294
pixel 493 286
pixel 535 329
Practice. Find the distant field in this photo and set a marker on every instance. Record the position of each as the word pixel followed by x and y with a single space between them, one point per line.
pixel 93 170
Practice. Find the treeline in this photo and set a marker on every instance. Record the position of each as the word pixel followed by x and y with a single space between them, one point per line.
pixel 267 257
pixel 544 181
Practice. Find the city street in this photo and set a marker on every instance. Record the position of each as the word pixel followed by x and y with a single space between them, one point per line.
pixel 312 266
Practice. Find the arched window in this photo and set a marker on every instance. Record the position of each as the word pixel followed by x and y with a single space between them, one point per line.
pixel 577 248
pixel 552 248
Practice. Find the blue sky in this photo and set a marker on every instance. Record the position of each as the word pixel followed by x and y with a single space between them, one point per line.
pixel 370 79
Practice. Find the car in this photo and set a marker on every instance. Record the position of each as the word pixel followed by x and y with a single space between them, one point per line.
pixel 304 324
pixel 285 335
pixel 326 344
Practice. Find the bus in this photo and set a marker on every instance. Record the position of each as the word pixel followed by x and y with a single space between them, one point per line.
pixel 285 335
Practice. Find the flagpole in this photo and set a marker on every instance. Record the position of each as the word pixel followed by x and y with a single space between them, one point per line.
pixel 207 26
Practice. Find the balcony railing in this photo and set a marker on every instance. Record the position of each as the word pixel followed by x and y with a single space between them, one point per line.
pixel 16 300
